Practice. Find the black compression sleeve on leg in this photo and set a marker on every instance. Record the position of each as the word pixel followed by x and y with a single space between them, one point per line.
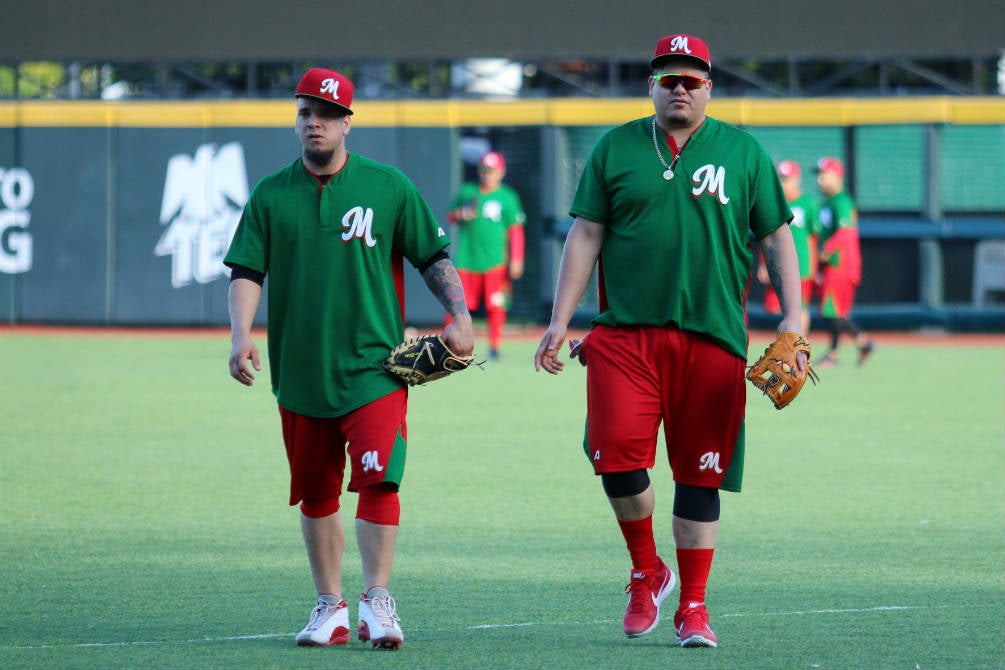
pixel 625 484
pixel 695 503
pixel 851 327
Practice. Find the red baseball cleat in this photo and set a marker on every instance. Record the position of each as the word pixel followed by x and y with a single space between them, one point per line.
pixel 646 593
pixel 691 624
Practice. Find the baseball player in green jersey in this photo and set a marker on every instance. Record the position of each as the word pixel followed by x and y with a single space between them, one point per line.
pixel 805 227
pixel 330 231
pixel 840 260
pixel 489 249
pixel 664 211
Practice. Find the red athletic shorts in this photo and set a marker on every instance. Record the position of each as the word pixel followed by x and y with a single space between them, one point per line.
pixel 837 296
pixel 489 286
pixel 374 436
pixel 636 377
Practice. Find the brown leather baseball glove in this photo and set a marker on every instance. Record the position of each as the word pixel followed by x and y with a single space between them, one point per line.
pixel 424 359
pixel 776 373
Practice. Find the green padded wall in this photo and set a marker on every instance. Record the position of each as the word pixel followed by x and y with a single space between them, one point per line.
pixel 803 145
pixel 972 168
pixel 890 168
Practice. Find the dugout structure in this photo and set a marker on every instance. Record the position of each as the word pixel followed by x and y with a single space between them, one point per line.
pixel 446 48
pixel 119 212
pixel 121 175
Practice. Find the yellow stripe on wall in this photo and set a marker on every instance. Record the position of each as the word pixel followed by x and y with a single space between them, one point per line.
pixel 461 113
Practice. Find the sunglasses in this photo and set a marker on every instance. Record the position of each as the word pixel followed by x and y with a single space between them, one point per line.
pixel 670 80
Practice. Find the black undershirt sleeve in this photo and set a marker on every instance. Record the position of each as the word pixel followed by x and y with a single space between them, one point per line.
pixel 438 256
pixel 244 272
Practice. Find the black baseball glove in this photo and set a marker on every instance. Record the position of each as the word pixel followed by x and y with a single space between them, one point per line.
pixel 423 359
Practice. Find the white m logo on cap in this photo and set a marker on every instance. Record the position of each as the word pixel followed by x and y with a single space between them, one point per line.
pixel 330 86
pixel 679 43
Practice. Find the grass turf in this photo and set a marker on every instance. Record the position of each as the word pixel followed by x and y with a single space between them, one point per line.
pixel 143 521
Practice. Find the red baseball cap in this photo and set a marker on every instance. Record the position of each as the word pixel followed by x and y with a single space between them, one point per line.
pixel 789 169
pixel 493 160
pixel 327 85
pixel 681 46
pixel 830 164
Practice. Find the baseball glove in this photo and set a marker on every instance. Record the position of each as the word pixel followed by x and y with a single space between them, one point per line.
pixel 576 350
pixel 776 372
pixel 423 359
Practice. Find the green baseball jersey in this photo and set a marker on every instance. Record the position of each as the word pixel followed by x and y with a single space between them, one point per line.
pixel 804 225
pixel 836 212
pixel 333 257
pixel 677 252
pixel 482 243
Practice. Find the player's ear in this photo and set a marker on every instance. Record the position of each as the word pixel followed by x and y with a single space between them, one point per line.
pixel 347 119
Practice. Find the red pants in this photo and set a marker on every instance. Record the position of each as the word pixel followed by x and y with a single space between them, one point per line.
pixel 491 288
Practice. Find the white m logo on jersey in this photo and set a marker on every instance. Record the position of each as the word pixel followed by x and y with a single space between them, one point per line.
pixel 357 223
pixel 679 43
pixel 330 86
pixel 710 461
pixel 708 178
pixel 370 462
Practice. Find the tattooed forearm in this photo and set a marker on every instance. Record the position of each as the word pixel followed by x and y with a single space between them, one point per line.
pixel 443 282
pixel 771 263
pixel 782 264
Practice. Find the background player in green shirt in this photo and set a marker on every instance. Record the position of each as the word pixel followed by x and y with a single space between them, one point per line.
pixel 664 211
pixel 489 249
pixel 805 227
pixel 330 231
pixel 840 260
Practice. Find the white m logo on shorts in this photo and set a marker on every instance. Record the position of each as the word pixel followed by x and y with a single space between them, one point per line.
pixel 710 460
pixel 369 460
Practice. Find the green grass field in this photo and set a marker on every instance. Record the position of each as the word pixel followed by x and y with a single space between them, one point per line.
pixel 143 520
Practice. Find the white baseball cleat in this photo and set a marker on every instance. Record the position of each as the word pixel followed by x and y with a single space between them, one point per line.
pixel 378 619
pixel 329 625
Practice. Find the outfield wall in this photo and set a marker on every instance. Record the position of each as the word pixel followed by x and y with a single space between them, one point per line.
pixel 119 213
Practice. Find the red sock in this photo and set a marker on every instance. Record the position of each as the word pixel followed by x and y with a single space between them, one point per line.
pixel 694 566
pixel 641 543
pixel 496 320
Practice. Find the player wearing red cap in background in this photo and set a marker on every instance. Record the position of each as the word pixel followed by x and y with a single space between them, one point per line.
pixel 330 231
pixel 840 260
pixel 805 226
pixel 489 249
pixel 664 212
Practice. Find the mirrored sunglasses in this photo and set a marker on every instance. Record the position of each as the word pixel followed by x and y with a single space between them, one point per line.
pixel 669 80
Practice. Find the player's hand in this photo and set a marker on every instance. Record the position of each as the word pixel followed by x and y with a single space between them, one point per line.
pixel 241 352
pixel 515 270
pixel 459 336
pixel 549 349
pixel 794 326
